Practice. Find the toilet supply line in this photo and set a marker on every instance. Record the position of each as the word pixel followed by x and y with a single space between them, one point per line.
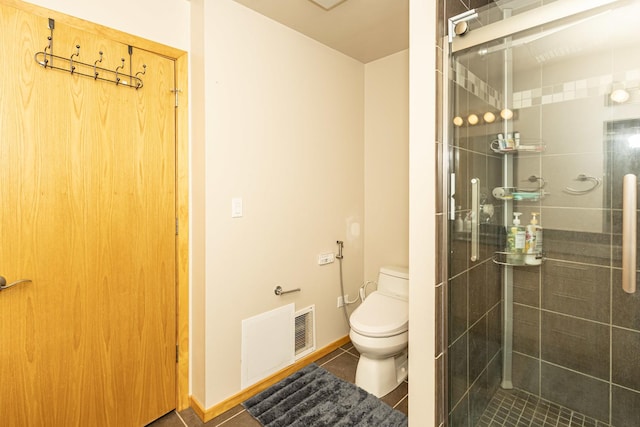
pixel 362 291
pixel 344 305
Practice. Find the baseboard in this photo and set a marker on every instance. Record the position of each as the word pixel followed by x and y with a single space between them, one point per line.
pixel 210 413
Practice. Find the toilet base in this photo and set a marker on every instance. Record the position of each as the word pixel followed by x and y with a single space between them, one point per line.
pixel 381 376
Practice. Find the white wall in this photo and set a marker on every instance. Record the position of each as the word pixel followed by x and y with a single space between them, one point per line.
pixel 229 268
pixel 283 129
pixel 162 21
pixel 386 190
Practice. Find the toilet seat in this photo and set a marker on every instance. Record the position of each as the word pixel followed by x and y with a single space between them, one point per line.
pixel 381 316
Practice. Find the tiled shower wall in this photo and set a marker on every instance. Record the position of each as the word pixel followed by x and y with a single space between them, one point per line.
pixel 470 354
pixel 576 332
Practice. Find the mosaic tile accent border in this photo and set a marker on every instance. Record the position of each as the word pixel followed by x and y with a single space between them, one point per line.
pixel 464 78
pixel 516 408
pixel 567 91
pixel 578 89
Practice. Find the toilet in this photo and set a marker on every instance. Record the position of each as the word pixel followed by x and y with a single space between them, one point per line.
pixel 380 331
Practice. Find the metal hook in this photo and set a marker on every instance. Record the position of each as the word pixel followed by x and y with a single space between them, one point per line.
pixel 144 70
pixel 48 46
pixel 142 73
pixel 95 64
pixel 77 53
pixel 118 68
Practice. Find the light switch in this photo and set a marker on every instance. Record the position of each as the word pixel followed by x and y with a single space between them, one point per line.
pixel 236 207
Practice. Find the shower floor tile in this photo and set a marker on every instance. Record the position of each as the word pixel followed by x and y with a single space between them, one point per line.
pixel 517 408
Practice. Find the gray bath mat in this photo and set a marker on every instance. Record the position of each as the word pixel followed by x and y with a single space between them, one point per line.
pixel 314 397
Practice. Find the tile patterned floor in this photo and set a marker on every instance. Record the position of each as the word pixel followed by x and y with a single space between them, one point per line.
pixel 520 409
pixel 341 362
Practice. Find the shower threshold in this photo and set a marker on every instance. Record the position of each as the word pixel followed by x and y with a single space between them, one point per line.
pixel 518 408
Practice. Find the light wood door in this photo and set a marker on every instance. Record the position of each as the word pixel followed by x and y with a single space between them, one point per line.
pixel 87 212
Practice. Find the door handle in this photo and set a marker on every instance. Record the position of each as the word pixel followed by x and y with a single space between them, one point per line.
pixel 3 283
pixel 475 219
pixel 629 206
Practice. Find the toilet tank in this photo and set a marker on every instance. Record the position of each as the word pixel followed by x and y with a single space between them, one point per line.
pixel 394 281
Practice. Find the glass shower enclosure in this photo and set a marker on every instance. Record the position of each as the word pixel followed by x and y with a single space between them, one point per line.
pixel 543 121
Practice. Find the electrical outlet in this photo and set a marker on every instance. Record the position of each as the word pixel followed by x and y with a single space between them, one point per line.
pixel 341 300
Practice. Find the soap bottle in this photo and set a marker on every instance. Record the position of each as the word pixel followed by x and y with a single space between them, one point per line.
pixel 467 222
pixel 516 238
pixel 533 243
pixel 459 224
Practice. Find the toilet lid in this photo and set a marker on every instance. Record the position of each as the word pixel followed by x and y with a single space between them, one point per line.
pixel 380 316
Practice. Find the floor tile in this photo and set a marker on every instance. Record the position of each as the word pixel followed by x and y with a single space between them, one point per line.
pixel 396 395
pixel 518 408
pixel 190 418
pixel 343 366
pixel 242 419
pixel 335 353
pixel 170 420
pixel 222 418
pixel 403 405
pixel 341 362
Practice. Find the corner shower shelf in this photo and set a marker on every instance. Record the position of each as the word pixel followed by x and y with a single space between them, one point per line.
pixel 531 146
pixel 514 194
pixel 501 258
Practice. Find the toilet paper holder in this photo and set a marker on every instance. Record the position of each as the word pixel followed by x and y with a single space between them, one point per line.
pixel 278 290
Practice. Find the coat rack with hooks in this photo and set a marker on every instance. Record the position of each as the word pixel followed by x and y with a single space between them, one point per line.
pixel 72 65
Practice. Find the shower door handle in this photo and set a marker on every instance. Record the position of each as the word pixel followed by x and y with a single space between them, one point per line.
pixel 475 216
pixel 629 206
pixel 452 198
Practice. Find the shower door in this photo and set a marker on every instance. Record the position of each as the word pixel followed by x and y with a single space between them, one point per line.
pixel 543 117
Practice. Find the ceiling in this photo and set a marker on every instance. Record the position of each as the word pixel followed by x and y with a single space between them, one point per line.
pixel 365 30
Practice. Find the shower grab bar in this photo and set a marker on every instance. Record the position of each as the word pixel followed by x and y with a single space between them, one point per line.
pixel 475 215
pixel 629 206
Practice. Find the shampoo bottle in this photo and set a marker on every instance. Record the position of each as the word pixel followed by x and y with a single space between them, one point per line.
pixel 516 239
pixel 533 243
pixel 459 224
pixel 467 222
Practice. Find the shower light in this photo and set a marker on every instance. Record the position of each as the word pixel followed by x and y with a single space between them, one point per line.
pixel 489 117
pixel 458 121
pixel 473 119
pixel 506 114
pixel 634 141
pixel 619 96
